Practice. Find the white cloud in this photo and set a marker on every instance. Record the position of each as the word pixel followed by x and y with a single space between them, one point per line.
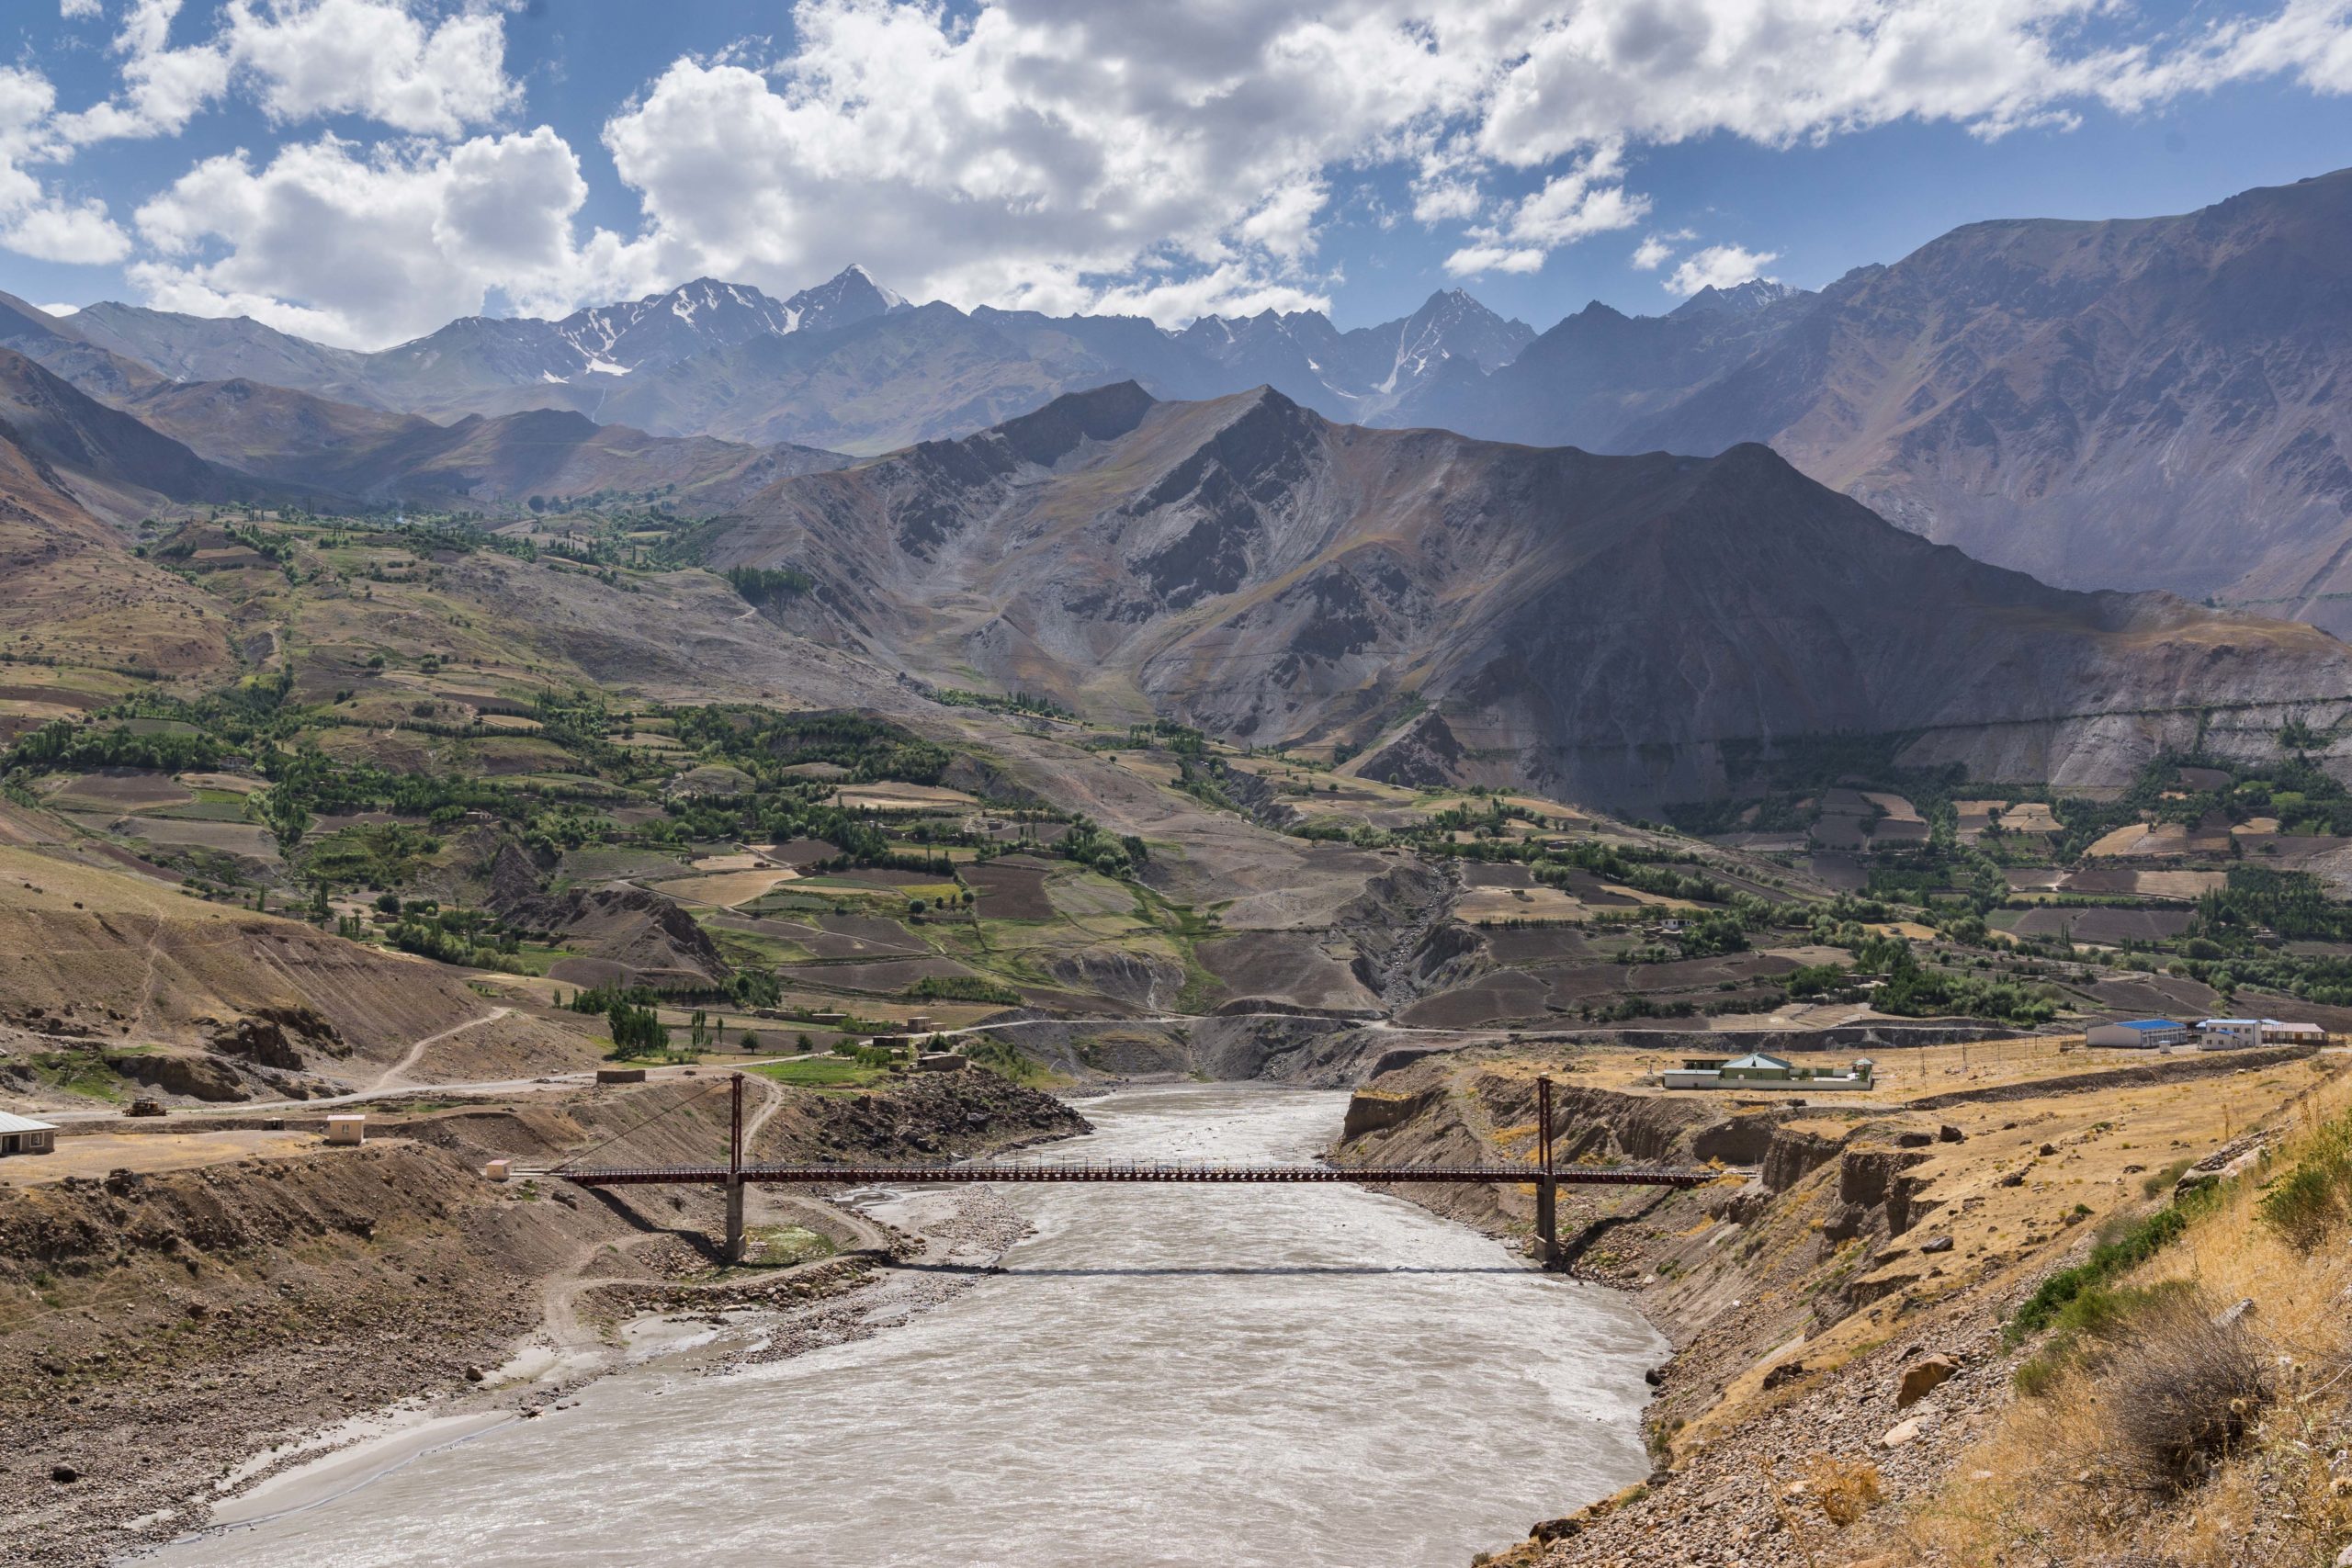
pixel 372 58
pixel 301 59
pixel 1587 198
pixel 1058 154
pixel 1654 252
pixel 78 10
pixel 365 250
pixel 1042 153
pixel 58 231
pixel 1718 267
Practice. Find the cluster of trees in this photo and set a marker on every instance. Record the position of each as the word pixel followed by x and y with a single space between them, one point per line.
pixel 768 584
pixel 62 743
pixel 1087 843
pixel 962 989
pixel 764 743
pixel 636 1030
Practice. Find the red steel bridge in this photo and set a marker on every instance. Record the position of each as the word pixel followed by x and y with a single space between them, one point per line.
pixel 735 1174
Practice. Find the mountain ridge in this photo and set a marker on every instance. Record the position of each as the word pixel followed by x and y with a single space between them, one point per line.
pixel 1611 626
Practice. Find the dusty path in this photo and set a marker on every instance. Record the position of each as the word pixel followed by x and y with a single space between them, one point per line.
pixel 417 1053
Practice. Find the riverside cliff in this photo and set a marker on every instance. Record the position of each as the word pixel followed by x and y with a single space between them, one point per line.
pixel 1844 1318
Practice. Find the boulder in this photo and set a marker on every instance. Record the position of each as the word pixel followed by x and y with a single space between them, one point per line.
pixel 1900 1433
pixel 1922 1378
pixel 1948 1133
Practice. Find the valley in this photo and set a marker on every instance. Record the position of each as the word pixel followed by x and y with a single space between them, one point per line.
pixel 1855 741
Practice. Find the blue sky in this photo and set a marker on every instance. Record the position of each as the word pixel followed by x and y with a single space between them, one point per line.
pixel 362 170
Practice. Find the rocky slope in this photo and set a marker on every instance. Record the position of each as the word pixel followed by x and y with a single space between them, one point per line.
pixel 1837 1312
pixel 368 455
pixel 1618 628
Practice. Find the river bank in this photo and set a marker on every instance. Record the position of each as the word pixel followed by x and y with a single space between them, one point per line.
pixel 173 1337
pixel 1838 1317
pixel 1152 1375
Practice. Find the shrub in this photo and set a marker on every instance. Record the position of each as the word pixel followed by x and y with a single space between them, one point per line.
pixel 1844 1489
pixel 2108 1259
pixel 2310 1201
pixel 2181 1388
pixel 2085 1325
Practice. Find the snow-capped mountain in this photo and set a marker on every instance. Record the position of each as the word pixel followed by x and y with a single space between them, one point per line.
pixel 663 329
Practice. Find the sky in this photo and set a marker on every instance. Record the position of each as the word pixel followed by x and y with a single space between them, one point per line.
pixel 361 172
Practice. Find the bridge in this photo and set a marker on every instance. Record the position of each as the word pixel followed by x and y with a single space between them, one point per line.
pixel 736 1175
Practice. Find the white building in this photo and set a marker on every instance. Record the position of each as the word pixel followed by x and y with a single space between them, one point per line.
pixel 2139 1033
pixel 2230 1033
pixel 23 1135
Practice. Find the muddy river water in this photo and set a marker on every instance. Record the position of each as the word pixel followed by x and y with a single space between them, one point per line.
pixel 1181 1375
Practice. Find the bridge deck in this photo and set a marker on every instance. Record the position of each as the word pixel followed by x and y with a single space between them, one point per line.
pixel 864 1175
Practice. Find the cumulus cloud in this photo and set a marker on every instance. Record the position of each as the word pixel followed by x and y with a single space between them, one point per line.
pixel 1656 250
pixel 1719 267
pixel 1041 152
pixel 1055 154
pixel 61 231
pixel 1589 197
pixel 352 248
pixel 301 59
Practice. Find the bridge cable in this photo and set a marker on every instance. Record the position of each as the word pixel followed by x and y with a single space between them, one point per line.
pixel 571 1160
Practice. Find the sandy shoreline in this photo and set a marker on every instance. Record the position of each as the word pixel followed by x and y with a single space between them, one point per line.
pixel 959 1234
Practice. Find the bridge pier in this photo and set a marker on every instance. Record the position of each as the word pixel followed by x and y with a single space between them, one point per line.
pixel 1547 1186
pixel 734 1248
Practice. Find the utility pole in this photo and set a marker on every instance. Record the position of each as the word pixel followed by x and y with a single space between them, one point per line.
pixel 735 1172
pixel 1547 1188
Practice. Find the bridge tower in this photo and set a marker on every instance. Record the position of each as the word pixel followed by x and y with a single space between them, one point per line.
pixel 1547 1185
pixel 735 1172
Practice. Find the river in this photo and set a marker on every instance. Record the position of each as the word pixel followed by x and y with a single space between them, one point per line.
pixel 1304 1375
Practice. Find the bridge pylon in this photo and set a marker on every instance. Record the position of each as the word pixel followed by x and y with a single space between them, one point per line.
pixel 734 1251
pixel 1547 1185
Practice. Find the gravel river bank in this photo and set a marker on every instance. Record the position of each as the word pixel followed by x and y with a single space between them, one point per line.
pixel 1296 1375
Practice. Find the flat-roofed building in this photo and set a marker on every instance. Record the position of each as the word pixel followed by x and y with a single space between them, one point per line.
pixel 2139 1033
pixel 23 1135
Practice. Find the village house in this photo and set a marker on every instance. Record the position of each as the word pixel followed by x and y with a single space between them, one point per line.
pixel 1757 1070
pixel 2235 1034
pixel 23 1135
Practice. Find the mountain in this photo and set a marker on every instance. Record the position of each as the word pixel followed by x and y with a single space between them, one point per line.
pixel 104 461
pixel 846 365
pixel 1362 372
pixel 1589 381
pixel 1739 300
pixel 498 363
pixel 57 345
pixel 369 454
pixel 76 593
pixel 1625 628
pixel 2141 403
pixel 213 348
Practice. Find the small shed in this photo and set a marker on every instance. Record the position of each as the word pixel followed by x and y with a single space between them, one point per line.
pixel 2139 1033
pixel 23 1135
pixel 347 1130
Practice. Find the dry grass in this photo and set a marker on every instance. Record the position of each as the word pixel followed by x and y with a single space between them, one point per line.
pixel 1843 1489
pixel 2176 1441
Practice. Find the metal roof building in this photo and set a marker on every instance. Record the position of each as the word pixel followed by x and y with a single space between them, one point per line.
pixel 23 1135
